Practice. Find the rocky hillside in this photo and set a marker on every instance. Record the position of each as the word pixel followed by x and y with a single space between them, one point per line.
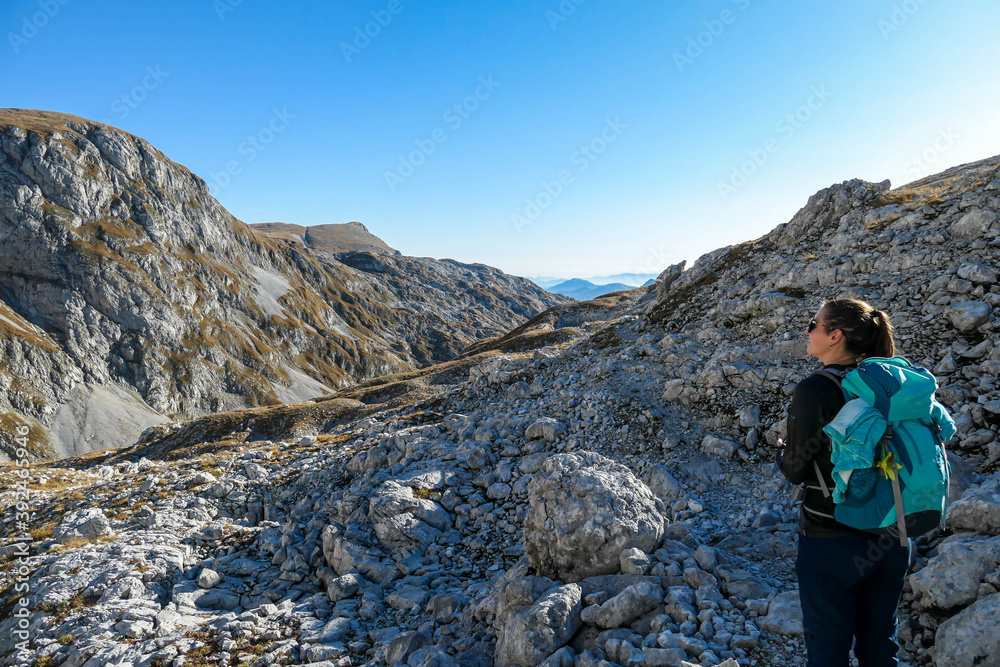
pixel 595 487
pixel 129 296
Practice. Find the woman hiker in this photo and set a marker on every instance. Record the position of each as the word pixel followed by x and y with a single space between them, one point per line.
pixel 848 598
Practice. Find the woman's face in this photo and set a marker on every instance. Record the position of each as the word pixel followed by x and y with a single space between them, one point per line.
pixel 819 337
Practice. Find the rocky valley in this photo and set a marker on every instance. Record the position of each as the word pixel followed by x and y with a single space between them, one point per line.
pixel 593 486
pixel 129 296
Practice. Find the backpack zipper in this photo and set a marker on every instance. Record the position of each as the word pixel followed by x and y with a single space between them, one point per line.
pixel 885 389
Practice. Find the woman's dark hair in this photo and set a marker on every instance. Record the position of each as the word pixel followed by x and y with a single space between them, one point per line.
pixel 867 331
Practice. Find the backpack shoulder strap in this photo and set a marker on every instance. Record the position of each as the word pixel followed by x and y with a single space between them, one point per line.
pixel 837 377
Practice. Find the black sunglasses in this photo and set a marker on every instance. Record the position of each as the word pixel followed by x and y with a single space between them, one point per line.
pixel 813 324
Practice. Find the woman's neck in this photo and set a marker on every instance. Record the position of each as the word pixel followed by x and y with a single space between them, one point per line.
pixel 840 357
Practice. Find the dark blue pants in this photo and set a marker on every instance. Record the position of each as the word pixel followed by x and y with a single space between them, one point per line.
pixel 849 588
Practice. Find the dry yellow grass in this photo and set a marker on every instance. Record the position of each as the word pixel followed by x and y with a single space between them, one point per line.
pixel 42 533
pixel 77 542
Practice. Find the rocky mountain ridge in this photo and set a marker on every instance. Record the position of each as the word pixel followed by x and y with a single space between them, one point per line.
pixel 594 487
pixel 336 238
pixel 129 296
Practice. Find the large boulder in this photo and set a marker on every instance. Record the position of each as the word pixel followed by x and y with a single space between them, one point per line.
pixel 533 633
pixel 952 578
pixel 404 521
pixel 584 511
pixel 979 509
pixel 970 637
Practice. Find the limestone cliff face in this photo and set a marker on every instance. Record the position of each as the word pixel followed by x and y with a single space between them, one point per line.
pixel 128 295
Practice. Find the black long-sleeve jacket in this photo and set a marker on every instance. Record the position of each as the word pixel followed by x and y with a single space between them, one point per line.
pixel 815 403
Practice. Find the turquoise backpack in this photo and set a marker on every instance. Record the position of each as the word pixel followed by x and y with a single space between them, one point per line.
pixel 890 470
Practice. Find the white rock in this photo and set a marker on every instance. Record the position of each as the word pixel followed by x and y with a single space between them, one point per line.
pixel 662 483
pixel 584 510
pixel 630 604
pixel 209 578
pixel 952 578
pixel 967 316
pixel 970 637
pixel 974 225
pixel 406 597
pixel 979 508
pixel 86 524
pixel 784 616
pixel 546 429
pixel 634 561
pixel 720 447
pixel 533 633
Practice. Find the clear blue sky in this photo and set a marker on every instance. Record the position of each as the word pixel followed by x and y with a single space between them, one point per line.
pixel 664 120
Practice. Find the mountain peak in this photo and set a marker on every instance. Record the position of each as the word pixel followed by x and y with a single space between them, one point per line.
pixel 333 238
pixel 131 296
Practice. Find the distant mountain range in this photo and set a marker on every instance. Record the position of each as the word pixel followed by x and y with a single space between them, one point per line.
pixel 627 279
pixel 584 289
